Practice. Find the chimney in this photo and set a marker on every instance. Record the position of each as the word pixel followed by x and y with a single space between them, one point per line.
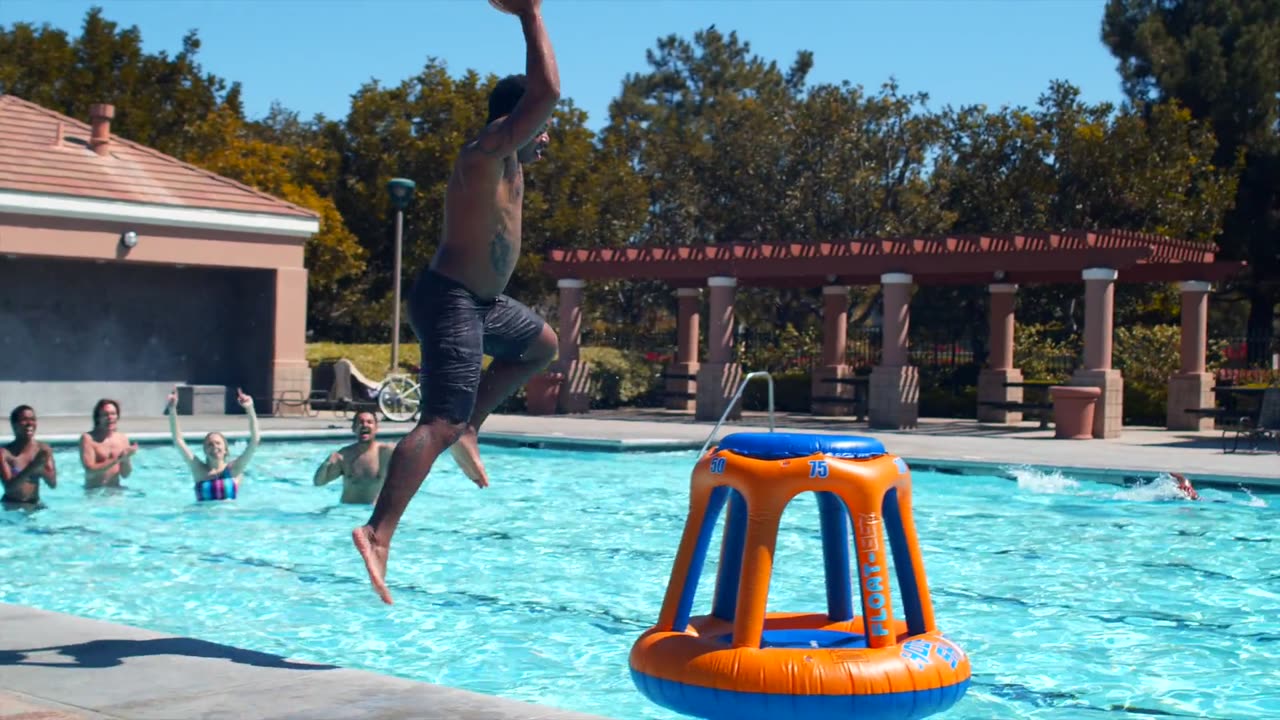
pixel 100 115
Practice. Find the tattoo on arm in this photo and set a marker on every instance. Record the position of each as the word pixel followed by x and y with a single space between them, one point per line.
pixel 500 255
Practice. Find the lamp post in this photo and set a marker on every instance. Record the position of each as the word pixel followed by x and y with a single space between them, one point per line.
pixel 401 190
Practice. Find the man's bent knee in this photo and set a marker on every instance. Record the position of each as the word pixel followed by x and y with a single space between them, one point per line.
pixel 543 349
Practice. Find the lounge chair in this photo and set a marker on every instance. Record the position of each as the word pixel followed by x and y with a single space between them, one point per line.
pixel 352 391
pixel 1265 428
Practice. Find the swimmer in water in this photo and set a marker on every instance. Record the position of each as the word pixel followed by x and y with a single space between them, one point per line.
pixel 215 478
pixel 1184 486
pixel 25 462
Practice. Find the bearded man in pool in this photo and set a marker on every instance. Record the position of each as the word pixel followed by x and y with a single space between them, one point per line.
pixel 362 465
pixel 457 307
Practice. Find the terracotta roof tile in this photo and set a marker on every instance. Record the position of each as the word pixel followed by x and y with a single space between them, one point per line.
pixel 32 160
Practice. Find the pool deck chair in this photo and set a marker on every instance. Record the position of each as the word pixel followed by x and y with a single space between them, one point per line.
pixel 352 391
pixel 1264 430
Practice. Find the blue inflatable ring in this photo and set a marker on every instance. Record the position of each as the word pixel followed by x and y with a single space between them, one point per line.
pixel 781 446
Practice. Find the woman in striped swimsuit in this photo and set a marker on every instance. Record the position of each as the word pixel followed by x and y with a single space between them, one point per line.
pixel 215 478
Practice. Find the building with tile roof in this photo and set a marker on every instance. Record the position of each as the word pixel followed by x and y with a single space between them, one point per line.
pixel 127 271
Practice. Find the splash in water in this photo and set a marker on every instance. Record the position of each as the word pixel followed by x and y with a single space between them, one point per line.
pixel 1043 482
pixel 1254 500
pixel 1162 488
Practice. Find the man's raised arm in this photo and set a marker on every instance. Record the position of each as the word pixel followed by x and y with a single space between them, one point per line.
pixel 505 136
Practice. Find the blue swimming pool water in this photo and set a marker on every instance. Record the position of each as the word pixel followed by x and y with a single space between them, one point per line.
pixel 1070 597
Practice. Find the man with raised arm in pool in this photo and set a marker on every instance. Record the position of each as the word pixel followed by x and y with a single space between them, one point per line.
pixel 457 307
pixel 362 465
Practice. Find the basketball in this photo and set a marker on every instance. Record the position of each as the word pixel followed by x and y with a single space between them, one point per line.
pixel 501 6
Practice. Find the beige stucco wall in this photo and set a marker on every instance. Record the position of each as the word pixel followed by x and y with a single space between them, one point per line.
pixel 100 240
pixel 81 317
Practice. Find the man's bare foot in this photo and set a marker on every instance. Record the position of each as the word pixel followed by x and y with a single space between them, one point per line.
pixel 375 559
pixel 466 452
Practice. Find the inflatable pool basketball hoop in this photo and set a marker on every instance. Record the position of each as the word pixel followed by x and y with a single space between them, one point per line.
pixel 743 662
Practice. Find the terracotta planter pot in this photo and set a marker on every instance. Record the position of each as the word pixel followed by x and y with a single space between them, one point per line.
pixel 1073 409
pixel 542 393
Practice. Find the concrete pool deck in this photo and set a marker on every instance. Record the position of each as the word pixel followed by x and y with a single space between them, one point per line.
pixel 59 667
pixel 958 446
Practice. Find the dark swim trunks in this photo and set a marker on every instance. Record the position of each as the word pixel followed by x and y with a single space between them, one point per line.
pixel 455 330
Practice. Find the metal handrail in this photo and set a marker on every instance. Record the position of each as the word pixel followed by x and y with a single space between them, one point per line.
pixel 734 401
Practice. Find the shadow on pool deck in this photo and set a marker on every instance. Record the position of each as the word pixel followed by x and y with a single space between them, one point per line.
pixel 54 665
pixel 99 654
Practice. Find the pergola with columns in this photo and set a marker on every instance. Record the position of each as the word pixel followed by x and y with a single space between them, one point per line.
pixel 1098 258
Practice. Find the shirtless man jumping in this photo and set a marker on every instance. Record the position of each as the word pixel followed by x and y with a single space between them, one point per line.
pixel 456 306
pixel 362 464
pixel 105 453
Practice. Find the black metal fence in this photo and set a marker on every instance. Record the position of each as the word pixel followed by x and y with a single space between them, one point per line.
pixel 648 341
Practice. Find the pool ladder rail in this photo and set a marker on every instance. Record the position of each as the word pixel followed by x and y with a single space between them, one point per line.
pixel 736 397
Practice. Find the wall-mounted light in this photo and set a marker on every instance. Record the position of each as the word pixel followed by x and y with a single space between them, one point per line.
pixel 999 275
pixel 129 239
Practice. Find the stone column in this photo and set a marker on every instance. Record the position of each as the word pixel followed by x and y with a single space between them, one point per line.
pixel 718 378
pixel 289 369
pixel 1099 306
pixel 682 373
pixel 830 395
pixel 1191 387
pixel 999 372
pixel 575 387
pixel 895 383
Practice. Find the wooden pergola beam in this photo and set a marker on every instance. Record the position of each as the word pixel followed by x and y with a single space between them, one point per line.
pixel 1026 258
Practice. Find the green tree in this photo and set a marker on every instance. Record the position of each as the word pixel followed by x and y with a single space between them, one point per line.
pixel 707 128
pixel 735 149
pixel 1221 60
pixel 858 165
pixel 1070 164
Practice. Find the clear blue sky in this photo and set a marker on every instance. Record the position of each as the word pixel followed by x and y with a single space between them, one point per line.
pixel 312 55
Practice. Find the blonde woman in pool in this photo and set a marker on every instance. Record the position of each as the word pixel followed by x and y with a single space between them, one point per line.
pixel 215 478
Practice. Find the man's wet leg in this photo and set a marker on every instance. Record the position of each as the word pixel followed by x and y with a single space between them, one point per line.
pixel 410 463
pixel 499 381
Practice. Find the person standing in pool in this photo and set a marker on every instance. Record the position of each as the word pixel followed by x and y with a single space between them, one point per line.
pixel 106 453
pixel 362 465
pixel 214 477
pixel 25 461
pixel 457 307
